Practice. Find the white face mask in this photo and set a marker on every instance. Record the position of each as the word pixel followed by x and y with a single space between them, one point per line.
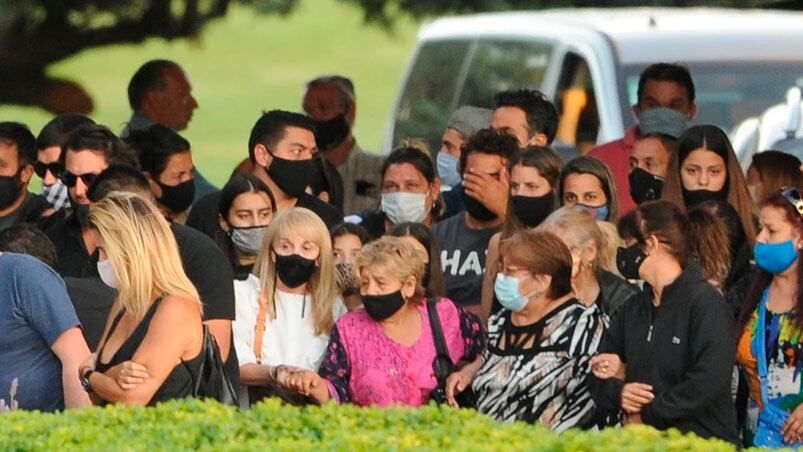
pixel 403 207
pixel 107 274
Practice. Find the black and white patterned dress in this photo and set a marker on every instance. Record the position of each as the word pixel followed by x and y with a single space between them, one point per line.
pixel 538 372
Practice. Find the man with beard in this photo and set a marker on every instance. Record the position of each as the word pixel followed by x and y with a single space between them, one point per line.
pixel 17 157
pixel 331 103
pixel 464 238
pixel 88 151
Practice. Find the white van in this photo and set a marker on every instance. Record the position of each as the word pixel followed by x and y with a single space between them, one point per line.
pixel 589 60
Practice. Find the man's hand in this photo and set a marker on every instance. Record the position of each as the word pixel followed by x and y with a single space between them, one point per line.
pixel 492 193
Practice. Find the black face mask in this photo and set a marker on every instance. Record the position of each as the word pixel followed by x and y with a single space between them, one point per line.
pixel 380 307
pixel 476 209
pixel 629 260
pixel 532 210
pixel 644 186
pixel 80 212
pixel 694 197
pixel 291 176
pixel 177 198
pixel 294 270
pixel 10 187
pixel 332 132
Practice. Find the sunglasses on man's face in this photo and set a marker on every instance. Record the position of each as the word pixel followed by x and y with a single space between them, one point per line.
pixel 793 196
pixel 71 179
pixel 41 169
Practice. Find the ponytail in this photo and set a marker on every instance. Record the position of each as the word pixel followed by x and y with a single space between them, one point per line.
pixel 707 235
pixel 697 237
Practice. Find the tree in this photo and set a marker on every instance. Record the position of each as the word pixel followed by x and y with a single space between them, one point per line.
pixel 37 33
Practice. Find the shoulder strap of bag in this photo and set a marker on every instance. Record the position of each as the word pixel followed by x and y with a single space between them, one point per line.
pixel 197 380
pixel 441 350
pixel 259 328
pixel 761 346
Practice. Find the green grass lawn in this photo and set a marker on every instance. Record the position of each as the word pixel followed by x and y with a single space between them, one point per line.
pixel 247 63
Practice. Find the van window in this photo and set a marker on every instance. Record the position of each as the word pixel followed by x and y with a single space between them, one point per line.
pixel 499 65
pixel 577 105
pixel 430 92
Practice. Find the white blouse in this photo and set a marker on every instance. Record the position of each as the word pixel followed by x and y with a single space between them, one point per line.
pixel 289 338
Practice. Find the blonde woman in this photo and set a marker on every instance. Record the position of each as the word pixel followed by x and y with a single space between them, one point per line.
pixel 593 260
pixel 155 321
pixel 286 309
pixel 384 354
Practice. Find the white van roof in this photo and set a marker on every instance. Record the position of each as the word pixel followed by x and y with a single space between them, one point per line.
pixel 646 35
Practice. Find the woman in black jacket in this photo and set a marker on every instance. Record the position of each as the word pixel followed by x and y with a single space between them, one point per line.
pixel 667 358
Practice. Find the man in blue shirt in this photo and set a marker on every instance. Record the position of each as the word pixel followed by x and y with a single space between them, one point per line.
pixel 41 347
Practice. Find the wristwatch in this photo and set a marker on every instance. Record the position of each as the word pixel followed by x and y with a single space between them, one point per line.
pixel 85 380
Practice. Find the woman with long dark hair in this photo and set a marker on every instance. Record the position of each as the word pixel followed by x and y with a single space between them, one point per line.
pixel 245 209
pixel 705 168
pixel 771 324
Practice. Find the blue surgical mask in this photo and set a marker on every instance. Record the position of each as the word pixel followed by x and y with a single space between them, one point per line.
pixel 600 213
pixel 507 292
pixel 775 257
pixel 447 169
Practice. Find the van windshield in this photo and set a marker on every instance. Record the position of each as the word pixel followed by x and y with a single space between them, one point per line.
pixel 726 93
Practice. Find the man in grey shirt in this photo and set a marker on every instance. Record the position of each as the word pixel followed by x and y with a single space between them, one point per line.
pixel 464 238
pixel 331 103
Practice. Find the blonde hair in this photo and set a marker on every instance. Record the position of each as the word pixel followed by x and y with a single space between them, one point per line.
pixel 397 256
pixel 607 254
pixel 580 228
pixel 143 252
pixel 323 282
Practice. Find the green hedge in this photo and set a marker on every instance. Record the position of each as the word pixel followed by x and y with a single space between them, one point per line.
pixel 196 425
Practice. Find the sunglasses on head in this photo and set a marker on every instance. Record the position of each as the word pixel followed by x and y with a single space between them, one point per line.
pixel 41 169
pixel 793 196
pixel 71 179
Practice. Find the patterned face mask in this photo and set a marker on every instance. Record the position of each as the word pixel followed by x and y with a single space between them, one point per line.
pixel 248 240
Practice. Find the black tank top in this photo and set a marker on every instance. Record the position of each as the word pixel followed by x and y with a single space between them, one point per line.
pixel 178 384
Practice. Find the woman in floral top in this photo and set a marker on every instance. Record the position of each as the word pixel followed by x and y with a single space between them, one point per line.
pixel 383 355
pixel 776 296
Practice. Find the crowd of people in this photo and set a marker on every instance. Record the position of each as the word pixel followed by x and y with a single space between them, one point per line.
pixel 649 281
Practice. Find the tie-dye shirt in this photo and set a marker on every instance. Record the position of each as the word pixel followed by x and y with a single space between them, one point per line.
pixel 784 351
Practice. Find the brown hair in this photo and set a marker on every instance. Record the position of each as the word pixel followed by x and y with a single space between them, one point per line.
pixel 777 170
pixel 435 288
pixel 713 139
pixel 700 236
pixel 548 163
pixel 710 244
pixel 586 164
pixel 541 253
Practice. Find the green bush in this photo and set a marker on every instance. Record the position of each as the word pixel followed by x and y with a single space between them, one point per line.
pixel 196 425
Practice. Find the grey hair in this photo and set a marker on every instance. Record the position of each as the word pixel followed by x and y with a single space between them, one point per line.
pixel 344 85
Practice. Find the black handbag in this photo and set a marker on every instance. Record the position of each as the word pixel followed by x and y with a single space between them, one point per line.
pixel 442 365
pixel 212 381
